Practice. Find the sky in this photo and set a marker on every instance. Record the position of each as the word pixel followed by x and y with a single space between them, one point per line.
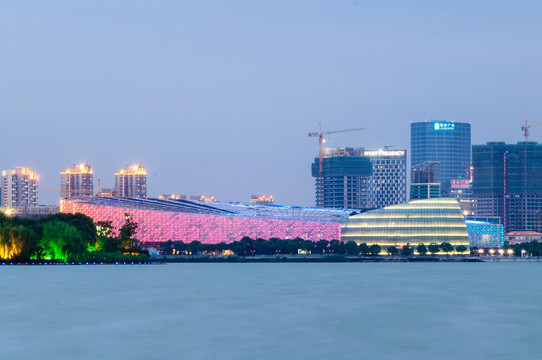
pixel 217 97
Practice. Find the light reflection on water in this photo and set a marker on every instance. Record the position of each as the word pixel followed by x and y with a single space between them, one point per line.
pixel 270 311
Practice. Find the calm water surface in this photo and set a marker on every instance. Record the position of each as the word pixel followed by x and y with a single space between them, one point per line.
pixel 272 311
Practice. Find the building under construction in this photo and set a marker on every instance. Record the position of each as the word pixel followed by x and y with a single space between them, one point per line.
pixel 507 183
pixel 356 178
pixel 344 180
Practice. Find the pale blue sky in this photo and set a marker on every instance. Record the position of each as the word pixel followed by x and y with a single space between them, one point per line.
pixel 217 97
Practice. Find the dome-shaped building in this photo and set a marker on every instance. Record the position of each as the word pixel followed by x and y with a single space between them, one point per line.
pixel 426 221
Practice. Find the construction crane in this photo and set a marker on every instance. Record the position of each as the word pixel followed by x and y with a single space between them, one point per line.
pixel 320 136
pixel 525 129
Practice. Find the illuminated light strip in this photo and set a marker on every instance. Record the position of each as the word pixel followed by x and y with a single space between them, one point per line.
pixel 386 235
pixel 358 226
pixel 357 217
pixel 402 243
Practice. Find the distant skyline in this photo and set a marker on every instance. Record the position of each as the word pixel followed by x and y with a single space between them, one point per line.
pixel 218 97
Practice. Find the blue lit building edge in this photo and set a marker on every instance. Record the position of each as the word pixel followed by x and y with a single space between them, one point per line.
pixel 484 234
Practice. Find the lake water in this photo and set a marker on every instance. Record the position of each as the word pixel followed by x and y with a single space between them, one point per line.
pixel 272 311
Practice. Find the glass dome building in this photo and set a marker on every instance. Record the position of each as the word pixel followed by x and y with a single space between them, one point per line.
pixel 416 222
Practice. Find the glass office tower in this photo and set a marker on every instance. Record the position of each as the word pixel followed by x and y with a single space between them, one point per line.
pixel 449 143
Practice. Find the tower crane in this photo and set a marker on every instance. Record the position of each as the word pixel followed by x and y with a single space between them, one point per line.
pixel 320 136
pixel 525 129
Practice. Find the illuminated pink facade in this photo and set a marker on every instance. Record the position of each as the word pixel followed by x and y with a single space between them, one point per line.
pixel 161 226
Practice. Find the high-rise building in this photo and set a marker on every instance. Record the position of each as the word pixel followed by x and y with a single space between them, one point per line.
pixel 355 178
pixel 131 182
pixel 77 181
pixel 203 198
pixel 344 181
pixel 19 187
pixel 425 181
pixel 262 199
pixel 171 197
pixel 507 183
pixel 388 183
pixel 449 143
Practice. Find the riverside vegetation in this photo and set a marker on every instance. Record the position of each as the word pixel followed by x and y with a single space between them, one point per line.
pixel 274 246
pixel 68 238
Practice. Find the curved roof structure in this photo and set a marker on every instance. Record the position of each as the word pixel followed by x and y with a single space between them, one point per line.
pixel 211 222
pixel 420 221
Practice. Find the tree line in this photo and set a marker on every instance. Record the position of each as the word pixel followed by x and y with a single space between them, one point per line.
pixel 274 246
pixel 67 238
pixel 530 248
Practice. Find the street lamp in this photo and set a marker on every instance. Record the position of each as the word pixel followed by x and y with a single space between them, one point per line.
pixel 491 251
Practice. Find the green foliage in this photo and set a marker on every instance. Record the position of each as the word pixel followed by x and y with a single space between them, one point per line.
pixel 126 235
pixel 363 249
pixel 85 226
pixel 406 250
pixel 61 241
pixel 104 230
pixel 17 242
pixel 422 249
pixel 374 249
pixel 447 247
pixel 111 257
pixel 321 246
pixel 461 248
pixel 65 237
pixel 336 247
pixel 351 248
pixel 167 247
pixel 392 250
pixel 433 248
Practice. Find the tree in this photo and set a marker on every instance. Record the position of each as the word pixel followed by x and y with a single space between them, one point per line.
pixel 290 247
pixel 363 249
pixel 336 247
pixel 17 242
pixel 447 247
pixel 104 229
pixel 321 246
pixel 82 223
pixel 461 248
pixel 179 246
pixel 126 235
pixel 406 250
pixel 194 247
pixel 61 241
pixel 392 250
pixel 374 249
pixel 351 247
pixel 308 246
pixel 167 246
pixel 433 248
pixel 422 249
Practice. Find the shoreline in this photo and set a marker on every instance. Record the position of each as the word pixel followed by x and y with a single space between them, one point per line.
pixel 330 259
pixel 172 259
